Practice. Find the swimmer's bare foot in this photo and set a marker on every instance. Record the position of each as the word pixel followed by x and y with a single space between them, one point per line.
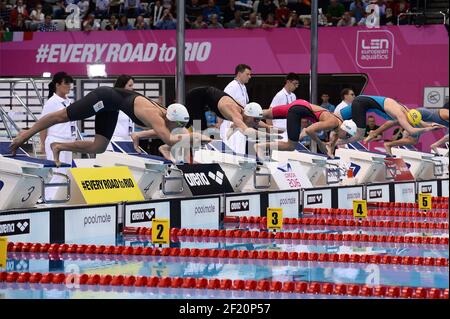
pixel 56 150
pixel 388 148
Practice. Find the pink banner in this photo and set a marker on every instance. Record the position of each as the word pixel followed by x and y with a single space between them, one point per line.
pixel 398 61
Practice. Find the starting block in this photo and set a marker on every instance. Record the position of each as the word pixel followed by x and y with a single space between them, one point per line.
pixel 238 168
pixel 367 166
pixel 423 166
pixel 19 175
pixel 318 167
pixel 156 177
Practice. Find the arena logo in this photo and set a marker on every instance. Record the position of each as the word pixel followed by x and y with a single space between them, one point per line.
pixel 142 215
pixel 15 227
pixel 239 205
pixel 196 179
pixel 20 265
pixel 353 196
pixel 427 189
pixel 375 193
pixel 314 199
pixel 375 49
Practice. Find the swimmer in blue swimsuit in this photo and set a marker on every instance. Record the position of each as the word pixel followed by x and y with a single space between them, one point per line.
pixel 385 107
pixel 431 119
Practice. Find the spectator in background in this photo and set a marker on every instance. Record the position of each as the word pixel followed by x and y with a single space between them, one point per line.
pixel 5 11
pixel 237 22
pixel 347 20
pixel 294 21
pixel 111 25
pixel 37 17
pixel 382 6
pixel 59 11
pixel 90 24
pixel 194 9
pixel 211 119
pixel 20 8
pixel 372 126
pixel 199 23
pixel 347 96
pixel 125 126
pixel 47 25
pixel 140 23
pixel 358 8
pixel 253 22
pixel 101 8
pixel 167 22
pixel 211 9
pixel 123 23
pixel 270 22
pixel 19 24
pixel 402 7
pixel 214 22
pixel 306 22
pixel 156 12
pixel 265 7
pixel 131 8
pixel 300 7
pixel 389 18
pixel 84 8
pixel 335 11
pixel 3 27
pixel 326 102
pixel 282 13
pixel 114 7
pixel 285 96
pixel 228 12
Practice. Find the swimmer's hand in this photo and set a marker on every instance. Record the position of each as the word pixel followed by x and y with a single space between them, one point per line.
pixel 198 137
pixel 17 142
pixel 135 138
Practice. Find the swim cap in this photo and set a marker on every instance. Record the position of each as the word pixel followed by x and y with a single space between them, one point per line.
pixel 177 112
pixel 349 126
pixel 253 109
pixel 414 117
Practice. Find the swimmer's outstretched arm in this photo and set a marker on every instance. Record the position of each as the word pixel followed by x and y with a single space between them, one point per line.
pixel 358 136
pixel 280 145
pixel 312 132
pixel 385 126
pixel 436 144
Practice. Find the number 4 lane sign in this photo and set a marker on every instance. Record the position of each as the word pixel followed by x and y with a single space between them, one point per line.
pixel 160 231
pixel 274 218
pixel 359 209
pixel 424 201
pixel 3 251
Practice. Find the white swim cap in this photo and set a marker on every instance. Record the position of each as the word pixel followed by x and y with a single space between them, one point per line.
pixel 253 109
pixel 349 126
pixel 177 112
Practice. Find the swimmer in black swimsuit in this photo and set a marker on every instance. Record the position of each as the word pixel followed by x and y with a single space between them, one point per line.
pixel 245 119
pixel 104 103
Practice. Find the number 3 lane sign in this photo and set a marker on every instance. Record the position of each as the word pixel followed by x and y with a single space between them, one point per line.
pixel 160 231
pixel 359 209
pixel 274 218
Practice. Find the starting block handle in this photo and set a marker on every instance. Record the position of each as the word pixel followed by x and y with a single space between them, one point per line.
pixel 438 168
pixel 329 171
pixel 167 178
pixel 258 174
pixel 48 185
